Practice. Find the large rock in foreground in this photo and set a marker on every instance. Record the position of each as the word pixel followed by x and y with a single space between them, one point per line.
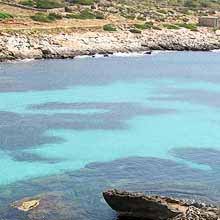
pixel 136 205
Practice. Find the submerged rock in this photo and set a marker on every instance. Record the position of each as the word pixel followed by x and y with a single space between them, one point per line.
pixel 54 205
pixel 27 205
pixel 140 206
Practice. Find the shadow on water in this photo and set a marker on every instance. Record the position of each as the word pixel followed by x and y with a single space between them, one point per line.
pixel 15 127
pixel 77 195
pixel 17 78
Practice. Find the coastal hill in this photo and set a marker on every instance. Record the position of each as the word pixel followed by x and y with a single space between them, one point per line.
pixel 110 15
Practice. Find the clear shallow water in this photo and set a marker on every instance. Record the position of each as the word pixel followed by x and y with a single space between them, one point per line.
pixel 58 116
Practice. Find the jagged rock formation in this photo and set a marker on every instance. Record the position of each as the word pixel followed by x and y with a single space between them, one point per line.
pixel 139 206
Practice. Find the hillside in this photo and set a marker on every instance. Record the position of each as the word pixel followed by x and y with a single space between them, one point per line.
pixel 110 15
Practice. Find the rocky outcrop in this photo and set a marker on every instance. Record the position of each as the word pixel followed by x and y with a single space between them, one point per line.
pixel 23 46
pixel 140 206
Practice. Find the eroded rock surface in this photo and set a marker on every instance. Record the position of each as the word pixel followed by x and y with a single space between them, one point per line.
pixel 62 45
pixel 140 206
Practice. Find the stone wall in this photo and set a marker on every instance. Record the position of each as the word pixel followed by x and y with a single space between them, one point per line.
pixel 209 22
pixel 52 10
pixel 56 10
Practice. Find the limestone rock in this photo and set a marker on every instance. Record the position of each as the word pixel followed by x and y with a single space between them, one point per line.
pixel 21 46
pixel 140 206
pixel 27 205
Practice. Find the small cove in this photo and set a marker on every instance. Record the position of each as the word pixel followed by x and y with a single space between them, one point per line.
pixel 125 118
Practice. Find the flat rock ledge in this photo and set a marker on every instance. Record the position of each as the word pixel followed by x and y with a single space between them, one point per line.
pixel 15 46
pixel 140 206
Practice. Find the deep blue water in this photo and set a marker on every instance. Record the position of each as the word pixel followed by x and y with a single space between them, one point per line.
pixel 146 123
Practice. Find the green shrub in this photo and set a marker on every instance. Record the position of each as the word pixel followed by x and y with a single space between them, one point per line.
pixel 140 26
pixel 156 28
pixel 192 27
pixel 191 3
pixel 54 16
pixel 48 4
pixel 135 31
pixel 99 15
pixel 84 2
pixel 205 4
pixel 146 25
pixel 85 14
pixel 109 27
pixel 70 16
pixel 128 16
pixel 30 3
pixel 171 26
pixel 4 15
pixel 41 17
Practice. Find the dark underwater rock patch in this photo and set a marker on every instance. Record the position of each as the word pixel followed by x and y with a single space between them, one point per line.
pixel 206 156
pixel 27 131
pixel 194 96
pixel 79 193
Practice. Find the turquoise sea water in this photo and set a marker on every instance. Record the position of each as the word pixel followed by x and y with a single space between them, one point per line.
pixel 58 116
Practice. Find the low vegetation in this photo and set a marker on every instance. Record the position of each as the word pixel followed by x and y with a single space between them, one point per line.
pixel 171 14
pixel 135 31
pixel 109 27
pixel 55 16
pixel 48 4
pixel 43 4
pixel 171 26
pixel 29 3
pixel 128 16
pixel 43 17
pixel 4 15
pixel 146 25
pixel 86 14
pixel 99 15
pixel 83 2
pixel 196 4
pixel 192 27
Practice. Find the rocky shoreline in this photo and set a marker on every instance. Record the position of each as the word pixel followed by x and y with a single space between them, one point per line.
pixel 14 46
